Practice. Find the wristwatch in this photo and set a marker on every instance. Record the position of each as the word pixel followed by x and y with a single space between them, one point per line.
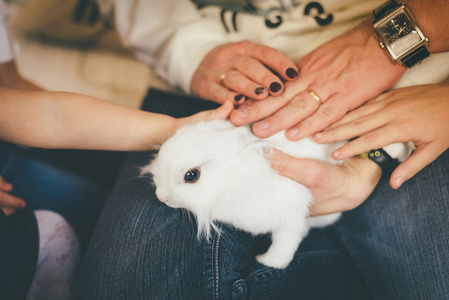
pixel 400 34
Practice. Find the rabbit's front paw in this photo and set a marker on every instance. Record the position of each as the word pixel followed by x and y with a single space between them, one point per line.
pixel 274 261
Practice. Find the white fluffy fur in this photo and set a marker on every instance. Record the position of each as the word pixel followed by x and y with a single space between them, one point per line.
pixel 237 186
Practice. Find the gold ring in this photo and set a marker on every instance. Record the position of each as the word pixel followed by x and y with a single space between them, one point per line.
pixel 222 77
pixel 315 96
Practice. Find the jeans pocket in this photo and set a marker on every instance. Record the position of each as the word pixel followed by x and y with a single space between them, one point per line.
pixel 239 290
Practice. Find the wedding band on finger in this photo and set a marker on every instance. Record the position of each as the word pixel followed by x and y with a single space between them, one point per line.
pixel 222 77
pixel 315 96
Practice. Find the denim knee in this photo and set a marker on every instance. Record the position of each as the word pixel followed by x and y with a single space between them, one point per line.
pixel 321 269
pixel 143 249
pixel 399 238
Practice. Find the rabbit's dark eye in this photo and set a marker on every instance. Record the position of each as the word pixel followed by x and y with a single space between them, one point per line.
pixel 192 175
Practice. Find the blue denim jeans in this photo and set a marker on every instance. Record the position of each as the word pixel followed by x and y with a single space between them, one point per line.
pixel 142 249
pixel 399 239
pixel 44 185
pixel 394 246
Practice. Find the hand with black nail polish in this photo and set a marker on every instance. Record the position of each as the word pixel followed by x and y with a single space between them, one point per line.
pixel 260 90
pixel 240 99
pixel 275 87
pixel 242 70
pixel 291 73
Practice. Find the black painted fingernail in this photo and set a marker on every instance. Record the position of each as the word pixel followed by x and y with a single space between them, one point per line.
pixel 291 73
pixel 238 97
pixel 260 90
pixel 275 87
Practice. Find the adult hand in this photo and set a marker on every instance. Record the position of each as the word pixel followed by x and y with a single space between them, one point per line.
pixel 419 114
pixel 334 188
pixel 237 71
pixel 344 73
pixel 9 204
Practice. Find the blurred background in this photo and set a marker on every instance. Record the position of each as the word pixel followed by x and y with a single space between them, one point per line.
pixel 67 46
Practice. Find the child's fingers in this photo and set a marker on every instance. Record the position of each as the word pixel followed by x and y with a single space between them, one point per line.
pixel 8 201
pixel 223 111
pixel 5 186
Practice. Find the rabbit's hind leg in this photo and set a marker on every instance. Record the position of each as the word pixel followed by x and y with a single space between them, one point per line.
pixel 284 243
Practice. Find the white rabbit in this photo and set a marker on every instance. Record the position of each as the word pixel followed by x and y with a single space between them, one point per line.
pixel 220 173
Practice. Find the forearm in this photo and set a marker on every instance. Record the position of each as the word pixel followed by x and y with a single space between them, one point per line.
pixel 432 17
pixel 66 120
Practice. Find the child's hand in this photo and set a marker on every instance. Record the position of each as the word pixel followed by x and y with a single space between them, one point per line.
pixel 9 204
pixel 222 112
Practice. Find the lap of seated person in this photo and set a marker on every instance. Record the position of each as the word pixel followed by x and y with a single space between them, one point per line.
pixel 384 249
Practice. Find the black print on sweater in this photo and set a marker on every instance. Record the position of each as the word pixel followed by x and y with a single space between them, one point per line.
pixel 320 10
pixel 275 24
pixel 312 8
pixel 234 20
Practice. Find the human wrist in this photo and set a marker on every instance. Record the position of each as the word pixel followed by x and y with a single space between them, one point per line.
pixel 152 130
pixel 437 34
pixel 176 123
pixel 360 166
pixel 171 125
pixel 409 30
pixel 365 176
pixel 366 33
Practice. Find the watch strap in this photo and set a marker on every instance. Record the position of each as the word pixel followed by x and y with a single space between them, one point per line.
pixel 384 9
pixel 415 57
pixel 383 159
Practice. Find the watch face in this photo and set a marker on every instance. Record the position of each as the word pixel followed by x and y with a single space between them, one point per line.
pixel 399 33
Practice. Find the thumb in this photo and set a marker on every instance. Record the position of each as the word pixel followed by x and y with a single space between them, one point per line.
pixel 9 201
pixel 223 111
pixel 422 156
